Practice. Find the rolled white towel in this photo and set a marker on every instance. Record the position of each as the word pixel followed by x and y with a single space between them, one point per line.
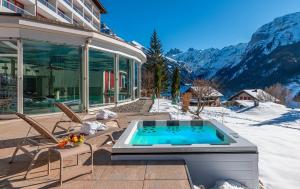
pixel 91 127
pixel 105 114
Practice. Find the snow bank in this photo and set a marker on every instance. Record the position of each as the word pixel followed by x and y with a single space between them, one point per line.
pixel 274 128
pixel 228 184
pixel 165 105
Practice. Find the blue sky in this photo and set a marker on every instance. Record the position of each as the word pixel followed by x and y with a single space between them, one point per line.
pixel 193 23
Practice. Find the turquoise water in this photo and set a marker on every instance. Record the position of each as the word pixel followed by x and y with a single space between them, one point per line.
pixel 176 135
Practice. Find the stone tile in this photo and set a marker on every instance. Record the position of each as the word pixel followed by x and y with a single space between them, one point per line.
pixel 118 185
pixel 166 170
pixel 166 184
pixel 124 171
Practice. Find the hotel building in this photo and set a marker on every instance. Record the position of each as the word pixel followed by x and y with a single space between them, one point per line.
pixel 52 51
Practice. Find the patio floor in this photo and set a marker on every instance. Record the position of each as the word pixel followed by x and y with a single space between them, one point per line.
pixel 107 174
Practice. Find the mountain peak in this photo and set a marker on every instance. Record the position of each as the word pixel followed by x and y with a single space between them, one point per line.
pixel 281 31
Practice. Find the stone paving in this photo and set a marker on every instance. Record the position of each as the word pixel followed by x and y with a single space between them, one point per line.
pixel 107 174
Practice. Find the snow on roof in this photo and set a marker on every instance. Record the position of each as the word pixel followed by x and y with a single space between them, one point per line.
pixel 258 94
pixel 214 92
pixel 138 45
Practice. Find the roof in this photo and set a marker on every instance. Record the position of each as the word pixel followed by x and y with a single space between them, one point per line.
pixel 257 94
pixel 214 92
pixel 100 6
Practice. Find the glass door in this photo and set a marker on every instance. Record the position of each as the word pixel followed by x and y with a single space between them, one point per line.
pixel 8 77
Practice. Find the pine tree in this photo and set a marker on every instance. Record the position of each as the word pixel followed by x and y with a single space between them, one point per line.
pixel 175 83
pixel 156 64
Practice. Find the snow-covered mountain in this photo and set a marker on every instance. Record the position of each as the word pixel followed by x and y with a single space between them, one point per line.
pixel 186 74
pixel 272 55
pixel 206 63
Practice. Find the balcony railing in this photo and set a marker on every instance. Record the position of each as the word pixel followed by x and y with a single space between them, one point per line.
pixel 63 15
pixel 68 2
pixel 88 6
pixel 96 26
pixel 77 10
pixel 87 19
pixel 96 14
pixel 14 7
pixel 51 7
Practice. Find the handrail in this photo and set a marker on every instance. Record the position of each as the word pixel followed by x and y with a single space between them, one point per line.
pixel 96 14
pixel 60 13
pixel 88 6
pixel 68 2
pixel 14 7
pixel 51 7
pixel 63 15
pixel 87 19
pixel 77 10
pixel 96 26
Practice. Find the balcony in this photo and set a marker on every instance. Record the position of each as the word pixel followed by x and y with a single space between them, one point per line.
pixel 14 8
pixel 96 26
pixel 77 10
pixel 96 14
pixel 64 16
pixel 87 18
pixel 88 6
pixel 68 2
pixel 51 7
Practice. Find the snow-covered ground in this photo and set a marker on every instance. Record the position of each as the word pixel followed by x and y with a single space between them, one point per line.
pixel 274 128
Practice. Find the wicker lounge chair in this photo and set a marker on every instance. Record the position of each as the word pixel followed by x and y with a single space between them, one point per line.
pixel 77 120
pixel 46 142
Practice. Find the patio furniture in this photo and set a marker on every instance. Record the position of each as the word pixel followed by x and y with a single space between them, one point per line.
pixel 76 119
pixel 46 142
pixel 34 146
pixel 67 152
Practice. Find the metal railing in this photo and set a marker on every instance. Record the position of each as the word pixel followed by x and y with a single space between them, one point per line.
pixel 77 10
pixel 14 7
pixel 51 7
pixel 63 15
pixel 96 26
pixel 96 14
pixel 87 19
pixel 88 6
pixel 68 2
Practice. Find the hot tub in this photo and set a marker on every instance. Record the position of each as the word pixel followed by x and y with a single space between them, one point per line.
pixel 211 150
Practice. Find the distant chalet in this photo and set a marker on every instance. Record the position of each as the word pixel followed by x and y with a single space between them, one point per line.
pixel 214 99
pixel 254 95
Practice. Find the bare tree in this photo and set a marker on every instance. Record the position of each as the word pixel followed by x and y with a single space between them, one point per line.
pixel 279 92
pixel 203 91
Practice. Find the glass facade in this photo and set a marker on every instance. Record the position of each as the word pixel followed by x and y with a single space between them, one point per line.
pixel 136 80
pixel 52 73
pixel 125 78
pixel 101 78
pixel 8 77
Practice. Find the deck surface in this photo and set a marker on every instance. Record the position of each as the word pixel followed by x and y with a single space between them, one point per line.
pixel 107 174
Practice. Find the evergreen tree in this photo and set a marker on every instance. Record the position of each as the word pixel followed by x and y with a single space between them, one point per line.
pixel 156 64
pixel 175 83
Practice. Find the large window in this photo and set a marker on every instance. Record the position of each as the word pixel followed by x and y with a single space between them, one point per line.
pixel 52 73
pixel 125 78
pixel 101 78
pixel 8 77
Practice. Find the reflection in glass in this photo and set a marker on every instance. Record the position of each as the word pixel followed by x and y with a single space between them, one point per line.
pixel 52 73
pixel 101 78
pixel 8 77
pixel 124 78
